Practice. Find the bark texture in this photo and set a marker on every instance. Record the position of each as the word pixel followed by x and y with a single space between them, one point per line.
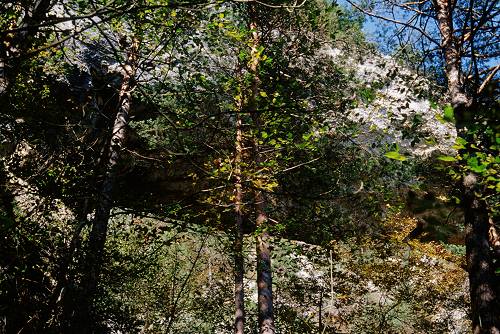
pixel 239 294
pixel 485 306
pixel 264 271
pixel 482 280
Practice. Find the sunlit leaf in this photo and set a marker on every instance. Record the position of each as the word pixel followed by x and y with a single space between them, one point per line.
pixel 395 156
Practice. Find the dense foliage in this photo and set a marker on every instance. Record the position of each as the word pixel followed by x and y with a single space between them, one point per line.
pixel 133 134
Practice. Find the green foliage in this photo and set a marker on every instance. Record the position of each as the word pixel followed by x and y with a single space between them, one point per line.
pixel 368 94
pixel 479 155
pixel 161 278
pixel 32 246
pixel 458 250
pixel 168 250
pixel 448 114
pixel 395 155
pixel 447 158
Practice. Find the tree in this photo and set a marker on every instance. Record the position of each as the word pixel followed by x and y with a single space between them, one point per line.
pixel 239 265
pixel 139 35
pixel 105 203
pixel 463 33
pixel 279 100
pixel 262 240
pixel 167 131
pixel 257 92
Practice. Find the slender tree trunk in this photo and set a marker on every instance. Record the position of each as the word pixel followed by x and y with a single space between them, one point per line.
pixel 6 195
pixel 320 311
pixel 4 82
pixel 239 294
pixel 264 272
pixel 484 300
pixel 97 237
pixel 264 277
pixel 485 305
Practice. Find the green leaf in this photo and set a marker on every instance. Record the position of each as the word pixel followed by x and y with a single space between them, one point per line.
pixel 449 114
pixel 242 55
pixel 475 165
pixel 395 156
pixel 447 158
pixel 460 143
pixel 478 169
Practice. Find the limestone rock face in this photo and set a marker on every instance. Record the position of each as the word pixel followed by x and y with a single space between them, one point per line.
pixel 395 105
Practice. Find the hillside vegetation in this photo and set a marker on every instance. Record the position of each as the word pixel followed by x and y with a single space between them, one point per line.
pixel 247 167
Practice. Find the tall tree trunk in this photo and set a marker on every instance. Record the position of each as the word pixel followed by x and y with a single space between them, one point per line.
pixel 4 81
pixel 97 237
pixel 485 305
pixel 485 308
pixel 264 277
pixel 239 294
pixel 264 272
pixel 6 194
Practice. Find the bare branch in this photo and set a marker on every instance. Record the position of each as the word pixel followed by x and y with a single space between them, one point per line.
pixel 488 79
pixel 296 5
pixel 406 24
